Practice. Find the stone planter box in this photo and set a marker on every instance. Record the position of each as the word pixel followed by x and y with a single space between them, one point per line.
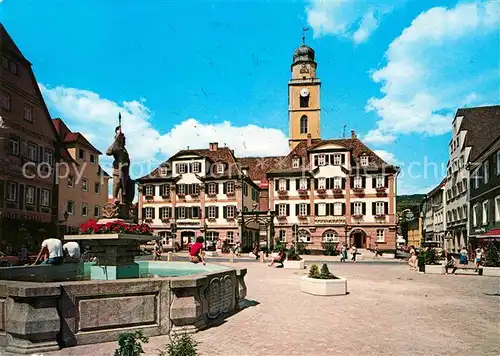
pixel 491 271
pixel 323 287
pixel 434 269
pixel 211 253
pixel 388 255
pixel 294 264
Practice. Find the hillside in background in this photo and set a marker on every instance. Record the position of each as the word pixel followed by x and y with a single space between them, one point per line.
pixel 409 202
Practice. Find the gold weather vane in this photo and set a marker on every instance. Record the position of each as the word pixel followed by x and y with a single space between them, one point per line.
pixel 304 29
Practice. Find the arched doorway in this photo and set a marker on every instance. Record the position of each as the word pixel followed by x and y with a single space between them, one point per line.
pixel 358 238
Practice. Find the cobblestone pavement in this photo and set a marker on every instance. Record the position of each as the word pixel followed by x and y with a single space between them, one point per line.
pixel 389 311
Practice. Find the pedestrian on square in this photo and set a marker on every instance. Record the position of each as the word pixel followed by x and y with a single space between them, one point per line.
pixel 343 253
pixel 196 253
pixel 412 262
pixel 464 259
pixel 354 251
pixel 450 263
pixel 479 257
pixel 375 251
pixel 158 250
pixel 256 251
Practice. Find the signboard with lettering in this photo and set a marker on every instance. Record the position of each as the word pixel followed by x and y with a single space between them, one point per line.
pixel 188 223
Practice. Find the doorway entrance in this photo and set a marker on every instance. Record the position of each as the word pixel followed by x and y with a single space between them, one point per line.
pixel 358 238
pixel 186 238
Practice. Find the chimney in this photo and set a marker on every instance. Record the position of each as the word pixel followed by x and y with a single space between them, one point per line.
pixel 309 140
pixel 353 134
pixel 213 146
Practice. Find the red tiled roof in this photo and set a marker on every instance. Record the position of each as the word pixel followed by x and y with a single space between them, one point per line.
pixel 259 166
pixel 440 185
pixel 483 128
pixel 68 136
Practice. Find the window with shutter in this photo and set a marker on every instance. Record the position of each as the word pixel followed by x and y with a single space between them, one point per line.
pixel 358 182
pixel 337 209
pixel 357 208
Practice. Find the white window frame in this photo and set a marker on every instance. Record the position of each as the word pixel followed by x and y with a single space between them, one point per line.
pixel 165 213
pixel 321 209
pixel 92 158
pixel 181 189
pixel 98 186
pixel 30 195
pixel 486 172
pixel 282 210
pixel 358 182
pixel 330 236
pixel 230 188
pixel 196 167
pixel 5 102
pixel 337 159
pixel 97 210
pixel 282 184
pixel 230 237
pixel 296 162
pixel 220 168
pixel 497 208
pixel 163 172
pixel 358 208
pixel 321 183
pixel 71 180
pixel 212 212
pixel 32 152
pixel 364 160
pixel 148 213
pixel 379 181
pixel 282 235
pixel 302 183
pixel 303 236
pixel 337 182
pixel 212 188
pixel 85 209
pixel 337 209
pixel 380 235
pixel 321 160
pixel 485 212
pixel 85 184
pixel 182 212
pixel 14 145
pixel 70 207
pixel 498 163
pixel 181 168
pixel 476 178
pixel 212 235
pixel 231 211
pixel 149 190
pixel 47 156
pixel 45 197
pixel 302 209
pixel 379 208
pixel 11 191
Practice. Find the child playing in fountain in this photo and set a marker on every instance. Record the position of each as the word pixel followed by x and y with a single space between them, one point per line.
pixel 196 251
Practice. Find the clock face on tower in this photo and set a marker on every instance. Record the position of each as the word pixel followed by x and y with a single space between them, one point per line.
pixel 304 92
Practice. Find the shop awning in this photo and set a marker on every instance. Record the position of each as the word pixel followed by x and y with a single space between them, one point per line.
pixel 492 234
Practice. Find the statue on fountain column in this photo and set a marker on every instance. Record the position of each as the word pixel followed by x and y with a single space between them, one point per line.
pixel 123 186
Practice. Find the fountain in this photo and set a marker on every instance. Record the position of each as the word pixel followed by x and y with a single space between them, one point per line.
pixel 44 308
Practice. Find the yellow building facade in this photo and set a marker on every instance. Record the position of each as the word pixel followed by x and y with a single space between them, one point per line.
pixel 415 232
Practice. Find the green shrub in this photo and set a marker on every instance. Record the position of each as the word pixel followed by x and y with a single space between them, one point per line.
pixel 314 271
pixel 292 255
pixel 302 248
pixel 431 257
pixel 492 258
pixel 279 246
pixel 130 344
pixel 180 345
pixel 325 273
pixel 330 248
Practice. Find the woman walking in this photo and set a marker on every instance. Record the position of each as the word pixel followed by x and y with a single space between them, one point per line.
pixel 464 259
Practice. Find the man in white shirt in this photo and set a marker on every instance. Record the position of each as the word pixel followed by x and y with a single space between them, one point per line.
pixel 52 250
pixel 72 250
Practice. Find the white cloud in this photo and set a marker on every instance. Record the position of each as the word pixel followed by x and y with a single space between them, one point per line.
pixel 97 117
pixel 386 156
pixel 442 61
pixel 355 20
pixel 377 137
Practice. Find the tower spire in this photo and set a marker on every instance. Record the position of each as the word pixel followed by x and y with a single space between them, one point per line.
pixel 304 29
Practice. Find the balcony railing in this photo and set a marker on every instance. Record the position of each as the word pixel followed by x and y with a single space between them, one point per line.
pixel 330 219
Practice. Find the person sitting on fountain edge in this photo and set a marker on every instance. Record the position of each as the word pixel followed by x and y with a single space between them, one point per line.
pixel 52 250
pixel 196 251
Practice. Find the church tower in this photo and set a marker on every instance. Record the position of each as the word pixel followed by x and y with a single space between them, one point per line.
pixel 303 97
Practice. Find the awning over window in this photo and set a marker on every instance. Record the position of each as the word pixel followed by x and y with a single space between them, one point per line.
pixel 493 234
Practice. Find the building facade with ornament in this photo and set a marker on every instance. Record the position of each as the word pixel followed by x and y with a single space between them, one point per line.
pixel 328 190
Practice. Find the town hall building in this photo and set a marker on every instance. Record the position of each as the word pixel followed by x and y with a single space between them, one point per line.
pixel 324 190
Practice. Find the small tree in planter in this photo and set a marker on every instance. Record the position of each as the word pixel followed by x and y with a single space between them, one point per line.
pixel 492 258
pixel 302 248
pixel 432 264
pixel 330 248
pixel 291 255
pixel 323 282
pixel 130 344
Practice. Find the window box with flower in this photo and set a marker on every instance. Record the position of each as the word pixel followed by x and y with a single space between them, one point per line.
pixel 380 216
pixel 282 192
pixel 303 192
pixel 302 217
pixel 181 195
pixel 114 227
pixel 165 220
pixel 165 196
pixel 358 190
pixel 211 195
pixel 148 197
pixel 321 191
pixel 381 189
pixel 211 219
pixel 148 221
pixel 281 217
pixel 337 191
pixel 357 216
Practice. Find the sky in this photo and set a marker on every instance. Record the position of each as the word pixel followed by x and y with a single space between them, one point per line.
pixel 186 73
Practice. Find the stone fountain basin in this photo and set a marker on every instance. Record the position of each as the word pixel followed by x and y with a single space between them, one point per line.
pixel 37 317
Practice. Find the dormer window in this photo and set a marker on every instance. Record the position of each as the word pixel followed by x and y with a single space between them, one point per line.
pixel 337 160
pixel 321 160
pixel 149 190
pixel 196 167
pixel 181 168
pixel 220 168
pixel 163 172
pixel 296 162
pixel 364 160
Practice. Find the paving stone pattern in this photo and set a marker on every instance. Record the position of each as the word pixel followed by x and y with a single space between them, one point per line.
pixel 389 311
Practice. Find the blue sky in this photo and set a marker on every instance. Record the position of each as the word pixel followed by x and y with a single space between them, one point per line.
pixel 187 73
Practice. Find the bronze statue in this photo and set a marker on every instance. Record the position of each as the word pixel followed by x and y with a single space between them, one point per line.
pixel 123 186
